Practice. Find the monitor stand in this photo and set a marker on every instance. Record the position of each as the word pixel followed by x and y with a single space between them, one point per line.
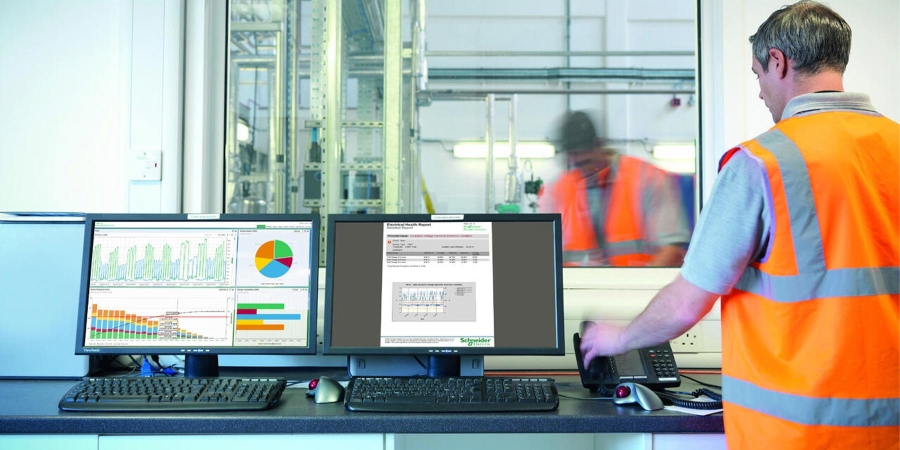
pixel 416 365
pixel 201 366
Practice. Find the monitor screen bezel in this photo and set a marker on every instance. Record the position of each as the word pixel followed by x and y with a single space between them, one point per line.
pixel 554 218
pixel 91 219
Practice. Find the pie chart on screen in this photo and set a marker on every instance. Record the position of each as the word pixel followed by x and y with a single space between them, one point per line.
pixel 274 259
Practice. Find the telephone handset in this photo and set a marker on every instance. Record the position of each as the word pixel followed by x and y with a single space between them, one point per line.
pixel 653 367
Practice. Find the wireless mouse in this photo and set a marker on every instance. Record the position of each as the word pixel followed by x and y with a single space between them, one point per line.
pixel 328 390
pixel 626 393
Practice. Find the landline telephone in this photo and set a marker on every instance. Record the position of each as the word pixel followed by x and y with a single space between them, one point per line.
pixel 653 367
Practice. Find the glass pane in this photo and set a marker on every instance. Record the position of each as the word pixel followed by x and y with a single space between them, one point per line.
pixel 626 187
pixel 257 135
pixel 472 73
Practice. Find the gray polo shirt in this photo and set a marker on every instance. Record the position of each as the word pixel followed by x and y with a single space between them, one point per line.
pixel 734 226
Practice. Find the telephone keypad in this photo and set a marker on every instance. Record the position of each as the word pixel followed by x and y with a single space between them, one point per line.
pixel 663 363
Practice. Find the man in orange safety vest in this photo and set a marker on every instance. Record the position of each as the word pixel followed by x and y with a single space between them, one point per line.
pixel 799 237
pixel 617 210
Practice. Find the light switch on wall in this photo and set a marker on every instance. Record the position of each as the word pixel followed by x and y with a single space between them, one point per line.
pixel 146 165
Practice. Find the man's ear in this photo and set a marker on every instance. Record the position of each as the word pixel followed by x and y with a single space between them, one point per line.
pixel 778 63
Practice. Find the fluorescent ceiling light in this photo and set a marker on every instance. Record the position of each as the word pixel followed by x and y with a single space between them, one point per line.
pixel 243 132
pixel 684 150
pixel 501 150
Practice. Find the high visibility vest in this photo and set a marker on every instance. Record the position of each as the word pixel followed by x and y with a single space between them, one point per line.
pixel 624 231
pixel 810 343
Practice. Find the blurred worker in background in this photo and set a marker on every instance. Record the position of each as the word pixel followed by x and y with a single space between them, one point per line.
pixel 617 210
pixel 800 238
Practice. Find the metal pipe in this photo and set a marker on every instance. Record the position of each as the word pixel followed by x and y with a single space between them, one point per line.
pixel 511 185
pixel 421 71
pixel 450 93
pixel 333 107
pixel 391 191
pixel 568 50
pixel 562 53
pixel 489 161
pixel 276 132
pixel 256 26
pixel 563 73
pixel 254 60
pixel 466 97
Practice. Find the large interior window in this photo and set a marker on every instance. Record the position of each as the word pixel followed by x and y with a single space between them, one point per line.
pixel 392 106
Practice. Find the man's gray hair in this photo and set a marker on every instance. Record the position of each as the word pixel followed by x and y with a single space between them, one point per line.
pixel 810 34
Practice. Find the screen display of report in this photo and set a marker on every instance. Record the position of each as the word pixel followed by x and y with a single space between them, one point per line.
pixel 199 285
pixel 444 285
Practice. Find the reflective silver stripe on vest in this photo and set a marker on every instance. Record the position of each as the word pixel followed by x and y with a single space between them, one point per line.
pixel 813 280
pixel 812 410
pixel 592 257
pixel 831 283
pixel 623 247
pixel 807 236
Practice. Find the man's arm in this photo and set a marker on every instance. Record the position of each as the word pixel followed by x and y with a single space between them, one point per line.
pixel 675 309
pixel 721 249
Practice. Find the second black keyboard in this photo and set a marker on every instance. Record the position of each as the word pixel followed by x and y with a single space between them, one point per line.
pixel 451 394
pixel 137 394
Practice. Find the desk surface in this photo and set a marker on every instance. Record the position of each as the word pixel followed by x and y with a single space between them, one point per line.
pixel 30 406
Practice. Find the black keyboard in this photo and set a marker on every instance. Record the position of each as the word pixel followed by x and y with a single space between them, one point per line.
pixel 114 394
pixel 451 394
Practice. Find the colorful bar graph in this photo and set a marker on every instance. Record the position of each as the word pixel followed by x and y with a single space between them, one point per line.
pixel 260 306
pixel 118 324
pixel 267 327
pixel 263 317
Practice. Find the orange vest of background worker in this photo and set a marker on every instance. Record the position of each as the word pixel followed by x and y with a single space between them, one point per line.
pixel 616 209
pixel 829 277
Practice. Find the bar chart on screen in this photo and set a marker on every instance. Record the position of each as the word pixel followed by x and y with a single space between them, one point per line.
pixel 266 316
pixel 172 321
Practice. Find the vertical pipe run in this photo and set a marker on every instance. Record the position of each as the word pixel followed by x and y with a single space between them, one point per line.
pixel 511 184
pixel 333 107
pixel 513 139
pixel 393 97
pixel 278 139
pixel 489 162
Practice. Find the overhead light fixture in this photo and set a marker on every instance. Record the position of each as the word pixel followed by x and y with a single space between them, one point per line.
pixel 683 150
pixel 243 131
pixel 501 150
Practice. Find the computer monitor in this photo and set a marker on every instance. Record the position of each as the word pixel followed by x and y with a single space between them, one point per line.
pixel 443 287
pixel 199 286
pixel 40 272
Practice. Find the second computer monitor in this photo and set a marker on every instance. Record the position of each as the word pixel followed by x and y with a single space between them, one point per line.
pixel 199 285
pixel 444 285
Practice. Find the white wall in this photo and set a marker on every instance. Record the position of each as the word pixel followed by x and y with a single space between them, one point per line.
pixel 85 86
pixel 735 113
pixel 61 119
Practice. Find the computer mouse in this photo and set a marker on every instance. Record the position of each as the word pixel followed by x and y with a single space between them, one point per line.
pixel 328 390
pixel 626 393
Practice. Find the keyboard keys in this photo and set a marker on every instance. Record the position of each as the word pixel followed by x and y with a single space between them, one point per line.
pixel 451 394
pixel 172 394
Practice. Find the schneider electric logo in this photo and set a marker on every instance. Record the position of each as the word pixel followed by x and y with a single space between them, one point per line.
pixel 475 342
pixel 473 227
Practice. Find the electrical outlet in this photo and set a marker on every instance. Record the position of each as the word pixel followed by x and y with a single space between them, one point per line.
pixel 687 342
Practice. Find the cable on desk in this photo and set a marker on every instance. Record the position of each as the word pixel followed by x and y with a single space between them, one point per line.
pixel 585 398
pixel 700 382
pixel 675 399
